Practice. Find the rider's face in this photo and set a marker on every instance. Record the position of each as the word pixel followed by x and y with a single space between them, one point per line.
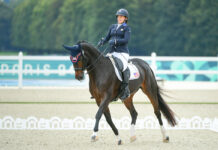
pixel 121 19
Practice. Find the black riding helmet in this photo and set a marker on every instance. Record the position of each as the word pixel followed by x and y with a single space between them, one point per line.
pixel 123 12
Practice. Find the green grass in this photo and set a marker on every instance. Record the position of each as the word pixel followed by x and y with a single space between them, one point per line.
pixel 95 103
pixel 5 53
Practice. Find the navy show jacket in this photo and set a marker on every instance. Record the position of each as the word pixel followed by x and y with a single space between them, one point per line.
pixel 121 37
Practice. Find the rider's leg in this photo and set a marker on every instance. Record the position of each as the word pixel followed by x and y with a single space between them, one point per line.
pixel 126 74
pixel 124 57
pixel 125 85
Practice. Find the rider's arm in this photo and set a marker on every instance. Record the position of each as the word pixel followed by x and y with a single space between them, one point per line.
pixel 126 37
pixel 107 38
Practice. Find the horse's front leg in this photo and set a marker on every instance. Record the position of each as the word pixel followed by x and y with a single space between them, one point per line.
pixel 113 127
pixel 101 110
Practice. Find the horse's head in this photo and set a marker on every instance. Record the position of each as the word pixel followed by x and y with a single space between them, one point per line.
pixel 77 58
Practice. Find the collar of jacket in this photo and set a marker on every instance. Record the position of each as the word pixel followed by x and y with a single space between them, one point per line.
pixel 124 24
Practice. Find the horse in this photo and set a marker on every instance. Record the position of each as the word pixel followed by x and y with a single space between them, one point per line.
pixel 104 86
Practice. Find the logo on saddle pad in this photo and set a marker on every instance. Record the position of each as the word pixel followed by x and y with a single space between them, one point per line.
pixel 134 72
pixel 136 75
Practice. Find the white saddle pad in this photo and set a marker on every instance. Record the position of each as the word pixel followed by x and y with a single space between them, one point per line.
pixel 134 72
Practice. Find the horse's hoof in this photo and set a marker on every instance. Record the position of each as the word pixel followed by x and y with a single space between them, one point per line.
pixel 120 142
pixel 132 139
pixel 94 138
pixel 166 140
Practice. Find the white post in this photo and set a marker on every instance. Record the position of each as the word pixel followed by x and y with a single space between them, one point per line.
pixel 217 68
pixel 153 62
pixel 20 70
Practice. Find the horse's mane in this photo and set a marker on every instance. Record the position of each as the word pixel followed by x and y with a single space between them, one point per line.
pixel 82 41
pixel 91 46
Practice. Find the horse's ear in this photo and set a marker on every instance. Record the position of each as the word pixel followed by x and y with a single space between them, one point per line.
pixel 72 48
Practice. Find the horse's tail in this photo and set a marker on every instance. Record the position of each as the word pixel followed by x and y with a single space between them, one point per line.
pixel 155 92
pixel 165 109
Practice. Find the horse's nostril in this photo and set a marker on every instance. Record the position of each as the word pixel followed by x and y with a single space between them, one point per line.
pixel 80 77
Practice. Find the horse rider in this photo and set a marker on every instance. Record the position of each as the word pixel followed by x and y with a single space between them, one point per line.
pixel 118 37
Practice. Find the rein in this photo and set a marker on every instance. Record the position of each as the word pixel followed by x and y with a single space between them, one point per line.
pixel 93 64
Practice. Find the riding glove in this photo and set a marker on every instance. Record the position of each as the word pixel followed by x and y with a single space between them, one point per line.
pixel 112 42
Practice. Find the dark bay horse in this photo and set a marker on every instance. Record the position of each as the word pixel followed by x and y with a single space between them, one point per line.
pixel 104 86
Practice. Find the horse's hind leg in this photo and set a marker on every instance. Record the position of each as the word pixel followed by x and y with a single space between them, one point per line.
pixel 154 101
pixel 129 105
pixel 113 127
pixel 163 131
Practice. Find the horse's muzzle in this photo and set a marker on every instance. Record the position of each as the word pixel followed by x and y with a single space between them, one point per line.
pixel 80 76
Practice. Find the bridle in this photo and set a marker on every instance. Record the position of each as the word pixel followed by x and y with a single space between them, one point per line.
pixel 75 60
pixel 90 67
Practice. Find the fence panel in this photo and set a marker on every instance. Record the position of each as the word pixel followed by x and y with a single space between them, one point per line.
pixel 58 70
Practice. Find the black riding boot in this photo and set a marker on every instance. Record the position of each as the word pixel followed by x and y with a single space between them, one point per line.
pixel 125 85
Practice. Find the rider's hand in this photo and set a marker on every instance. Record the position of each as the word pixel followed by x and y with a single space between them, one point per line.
pixel 112 42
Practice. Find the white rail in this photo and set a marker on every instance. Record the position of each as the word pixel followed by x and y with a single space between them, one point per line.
pixel 20 70
pixel 153 58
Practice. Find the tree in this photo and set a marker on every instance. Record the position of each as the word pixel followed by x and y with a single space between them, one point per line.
pixel 21 37
pixel 42 32
pixel 201 24
pixel 6 14
pixel 169 31
pixel 168 27
pixel 74 22
pixel 142 22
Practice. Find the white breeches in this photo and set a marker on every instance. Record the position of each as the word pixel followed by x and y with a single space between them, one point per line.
pixel 124 57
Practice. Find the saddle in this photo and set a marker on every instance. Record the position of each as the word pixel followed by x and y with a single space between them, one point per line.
pixel 118 66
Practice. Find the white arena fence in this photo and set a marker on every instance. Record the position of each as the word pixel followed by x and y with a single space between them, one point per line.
pixel 80 123
pixel 21 69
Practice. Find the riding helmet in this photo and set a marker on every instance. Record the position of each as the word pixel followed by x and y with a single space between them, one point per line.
pixel 122 12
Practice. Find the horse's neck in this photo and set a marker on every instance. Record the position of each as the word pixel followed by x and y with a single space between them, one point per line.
pixel 90 50
pixel 92 54
pixel 95 60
